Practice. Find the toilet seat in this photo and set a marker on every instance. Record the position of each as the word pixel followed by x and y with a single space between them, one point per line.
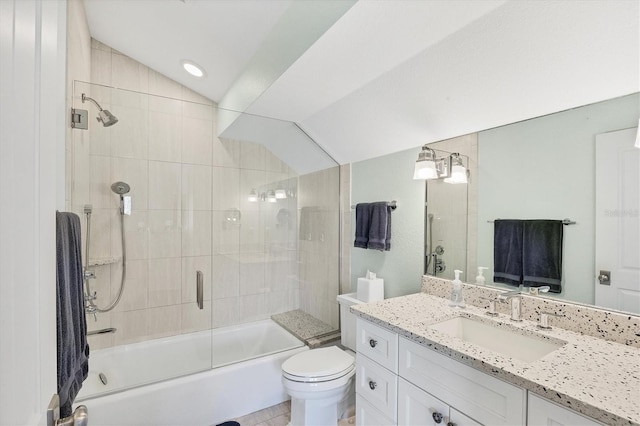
pixel 318 365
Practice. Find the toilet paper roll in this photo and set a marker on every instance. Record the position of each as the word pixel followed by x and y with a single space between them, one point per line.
pixel 370 290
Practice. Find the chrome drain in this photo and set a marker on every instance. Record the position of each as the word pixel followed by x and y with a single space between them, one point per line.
pixel 103 378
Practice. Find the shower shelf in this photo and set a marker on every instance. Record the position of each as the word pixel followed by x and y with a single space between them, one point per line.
pixel 104 261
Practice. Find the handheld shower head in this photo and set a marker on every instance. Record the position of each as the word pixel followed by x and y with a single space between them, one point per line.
pixel 120 188
pixel 104 116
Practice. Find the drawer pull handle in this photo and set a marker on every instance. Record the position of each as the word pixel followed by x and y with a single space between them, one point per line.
pixel 437 417
pixel 373 343
pixel 372 384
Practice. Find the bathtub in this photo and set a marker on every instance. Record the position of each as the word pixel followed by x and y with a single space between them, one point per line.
pixel 245 377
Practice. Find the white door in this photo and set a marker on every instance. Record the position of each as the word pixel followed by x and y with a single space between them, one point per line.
pixel 617 220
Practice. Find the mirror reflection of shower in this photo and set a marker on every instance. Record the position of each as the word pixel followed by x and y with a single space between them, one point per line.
pixel 119 188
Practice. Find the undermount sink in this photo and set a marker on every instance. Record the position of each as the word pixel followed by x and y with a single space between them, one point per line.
pixel 501 338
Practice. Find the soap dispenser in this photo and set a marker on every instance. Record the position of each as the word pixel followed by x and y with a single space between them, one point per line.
pixel 457 299
pixel 480 278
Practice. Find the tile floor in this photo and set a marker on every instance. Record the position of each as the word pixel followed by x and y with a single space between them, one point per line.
pixel 277 415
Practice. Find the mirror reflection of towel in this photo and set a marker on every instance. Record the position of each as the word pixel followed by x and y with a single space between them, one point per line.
pixel 528 252
pixel 542 254
pixel 507 251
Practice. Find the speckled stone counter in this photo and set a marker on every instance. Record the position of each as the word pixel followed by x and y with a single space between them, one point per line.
pixel 302 325
pixel 598 378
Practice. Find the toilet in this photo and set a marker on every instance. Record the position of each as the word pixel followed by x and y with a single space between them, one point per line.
pixel 321 382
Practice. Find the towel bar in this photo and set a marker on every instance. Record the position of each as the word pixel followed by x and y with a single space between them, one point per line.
pixel 393 204
pixel 565 221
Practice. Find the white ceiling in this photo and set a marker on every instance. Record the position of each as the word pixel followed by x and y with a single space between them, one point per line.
pixel 389 74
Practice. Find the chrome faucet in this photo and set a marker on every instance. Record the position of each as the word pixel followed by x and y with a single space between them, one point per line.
pixel 516 303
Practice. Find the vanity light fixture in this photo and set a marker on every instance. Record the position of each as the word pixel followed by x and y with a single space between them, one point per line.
pixel 253 196
pixel 271 196
pixel 429 166
pixel 281 194
pixel 193 68
pixel 425 167
pixel 458 171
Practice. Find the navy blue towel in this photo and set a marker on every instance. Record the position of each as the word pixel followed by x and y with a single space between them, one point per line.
pixel 363 222
pixel 507 251
pixel 373 226
pixel 71 325
pixel 542 254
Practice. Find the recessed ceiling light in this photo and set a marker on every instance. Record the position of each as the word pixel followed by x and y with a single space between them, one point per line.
pixel 193 68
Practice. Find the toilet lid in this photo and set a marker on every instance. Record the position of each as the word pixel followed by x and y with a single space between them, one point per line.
pixel 319 364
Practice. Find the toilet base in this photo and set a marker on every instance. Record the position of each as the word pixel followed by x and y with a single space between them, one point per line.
pixel 322 412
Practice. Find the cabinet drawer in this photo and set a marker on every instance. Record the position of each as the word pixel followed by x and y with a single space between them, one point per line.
pixel 484 398
pixel 542 412
pixel 377 385
pixel 378 344
pixel 368 415
pixel 417 408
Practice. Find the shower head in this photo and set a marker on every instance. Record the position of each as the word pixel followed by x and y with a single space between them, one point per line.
pixel 104 116
pixel 120 188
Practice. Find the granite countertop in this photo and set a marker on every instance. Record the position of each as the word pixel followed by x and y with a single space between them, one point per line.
pixel 597 378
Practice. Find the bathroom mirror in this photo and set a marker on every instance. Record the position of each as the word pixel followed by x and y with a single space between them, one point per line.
pixel 544 168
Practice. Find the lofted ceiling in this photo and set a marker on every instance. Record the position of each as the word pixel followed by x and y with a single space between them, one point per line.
pixel 372 77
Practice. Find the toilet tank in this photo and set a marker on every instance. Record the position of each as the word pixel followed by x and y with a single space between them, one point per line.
pixel 348 320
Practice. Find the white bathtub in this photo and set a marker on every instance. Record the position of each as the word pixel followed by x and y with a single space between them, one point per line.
pixel 246 377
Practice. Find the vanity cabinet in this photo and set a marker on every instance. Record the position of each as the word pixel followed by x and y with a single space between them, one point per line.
pixel 543 412
pixel 400 382
pixel 417 407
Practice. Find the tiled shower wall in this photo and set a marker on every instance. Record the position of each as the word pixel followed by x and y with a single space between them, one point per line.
pixel 187 188
pixel 319 249
pixel 454 209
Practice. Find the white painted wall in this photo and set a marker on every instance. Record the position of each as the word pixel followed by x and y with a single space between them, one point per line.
pixel 544 169
pixel 32 111
pixel 384 179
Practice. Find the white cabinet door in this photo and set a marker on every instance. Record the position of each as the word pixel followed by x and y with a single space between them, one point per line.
pixel 418 408
pixel 487 399
pixel 458 419
pixel 542 412
pixel 377 385
pixel 368 415
pixel 377 344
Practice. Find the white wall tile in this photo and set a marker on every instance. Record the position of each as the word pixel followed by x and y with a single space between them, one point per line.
pixel 226 153
pixel 101 67
pixel 196 187
pixel 164 321
pixel 129 74
pixel 136 235
pixel 100 244
pixel 226 275
pixel 252 273
pixel 252 156
pixel 226 233
pixel 130 136
pixel 196 233
pixel 136 286
pixel 165 136
pixel 225 312
pixel 194 319
pixel 226 188
pixel 251 233
pixel 165 281
pixel 165 236
pixel 131 326
pixel 198 111
pixel 164 185
pixel 197 137
pixel 191 96
pixel 253 308
pixel 163 86
pixel 100 188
